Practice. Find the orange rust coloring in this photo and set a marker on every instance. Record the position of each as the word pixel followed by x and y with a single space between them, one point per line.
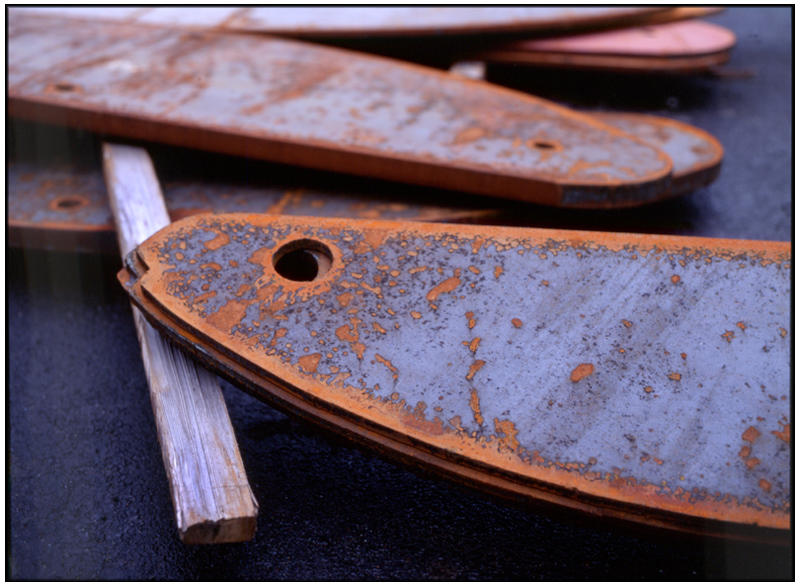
pixel 309 362
pixel 446 286
pixel 506 434
pixel 474 368
pixel 674 376
pixel 581 371
pixel 785 434
pixel 475 404
pixel 728 335
pixel 218 241
pixel 516 322
pixel 752 462
pixel 751 434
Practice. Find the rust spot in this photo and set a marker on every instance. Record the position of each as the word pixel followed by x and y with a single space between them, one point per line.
pixel 785 434
pixel 545 282
pixel 473 345
pixel 648 389
pixel 218 241
pixel 446 286
pixel 415 315
pixel 388 364
pixel 475 405
pixel 581 371
pixel 658 461
pixel 765 485
pixel 470 320
pixel 509 432
pixel 474 368
pixel 683 356
pixel 516 322
pixel 783 332
pixel 675 279
pixel 741 325
pixel 752 462
pixel 378 328
pixel 229 315
pixel 468 135
pixel 751 434
pixel 674 376
pixel 349 332
pixel 627 323
pixel 474 269
pixel 498 271
pixel 308 363
pixel 344 299
pixel 727 335
pixel 280 333
pixel 744 452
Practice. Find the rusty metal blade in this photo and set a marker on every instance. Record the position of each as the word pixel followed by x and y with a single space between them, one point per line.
pixel 685 46
pixel 326 108
pixel 638 377
pixel 329 21
pixel 696 155
pixel 63 206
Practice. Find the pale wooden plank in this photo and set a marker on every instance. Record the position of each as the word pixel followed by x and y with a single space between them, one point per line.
pixel 212 499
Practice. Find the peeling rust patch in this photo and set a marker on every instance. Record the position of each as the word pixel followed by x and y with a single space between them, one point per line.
pixel 581 371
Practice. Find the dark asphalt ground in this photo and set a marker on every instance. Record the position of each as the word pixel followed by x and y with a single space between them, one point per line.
pixel 87 497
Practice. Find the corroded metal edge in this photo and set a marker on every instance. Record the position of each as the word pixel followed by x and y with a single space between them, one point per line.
pixel 303 396
pixel 614 63
pixel 683 180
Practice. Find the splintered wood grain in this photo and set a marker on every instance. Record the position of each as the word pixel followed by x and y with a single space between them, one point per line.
pixel 212 499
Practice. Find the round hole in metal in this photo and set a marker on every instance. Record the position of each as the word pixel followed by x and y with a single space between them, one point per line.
pixel 64 87
pixel 67 203
pixel 544 145
pixel 302 260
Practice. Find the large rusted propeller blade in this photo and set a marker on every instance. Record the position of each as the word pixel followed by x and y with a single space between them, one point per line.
pixel 321 107
pixel 643 378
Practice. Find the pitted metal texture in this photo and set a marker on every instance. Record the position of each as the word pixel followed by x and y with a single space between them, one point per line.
pixel 638 376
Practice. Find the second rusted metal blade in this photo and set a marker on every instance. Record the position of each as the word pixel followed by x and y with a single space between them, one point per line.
pixel 321 107
pixel 639 377
pixel 64 206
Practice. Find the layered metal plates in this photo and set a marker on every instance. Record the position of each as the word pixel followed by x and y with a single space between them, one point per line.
pixel 637 377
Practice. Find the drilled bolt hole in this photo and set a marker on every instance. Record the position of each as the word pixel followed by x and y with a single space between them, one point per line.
pixel 64 87
pixel 544 145
pixel 302 260
pixel 68 203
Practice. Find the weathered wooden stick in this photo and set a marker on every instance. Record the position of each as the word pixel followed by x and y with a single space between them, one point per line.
pixel 212 499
